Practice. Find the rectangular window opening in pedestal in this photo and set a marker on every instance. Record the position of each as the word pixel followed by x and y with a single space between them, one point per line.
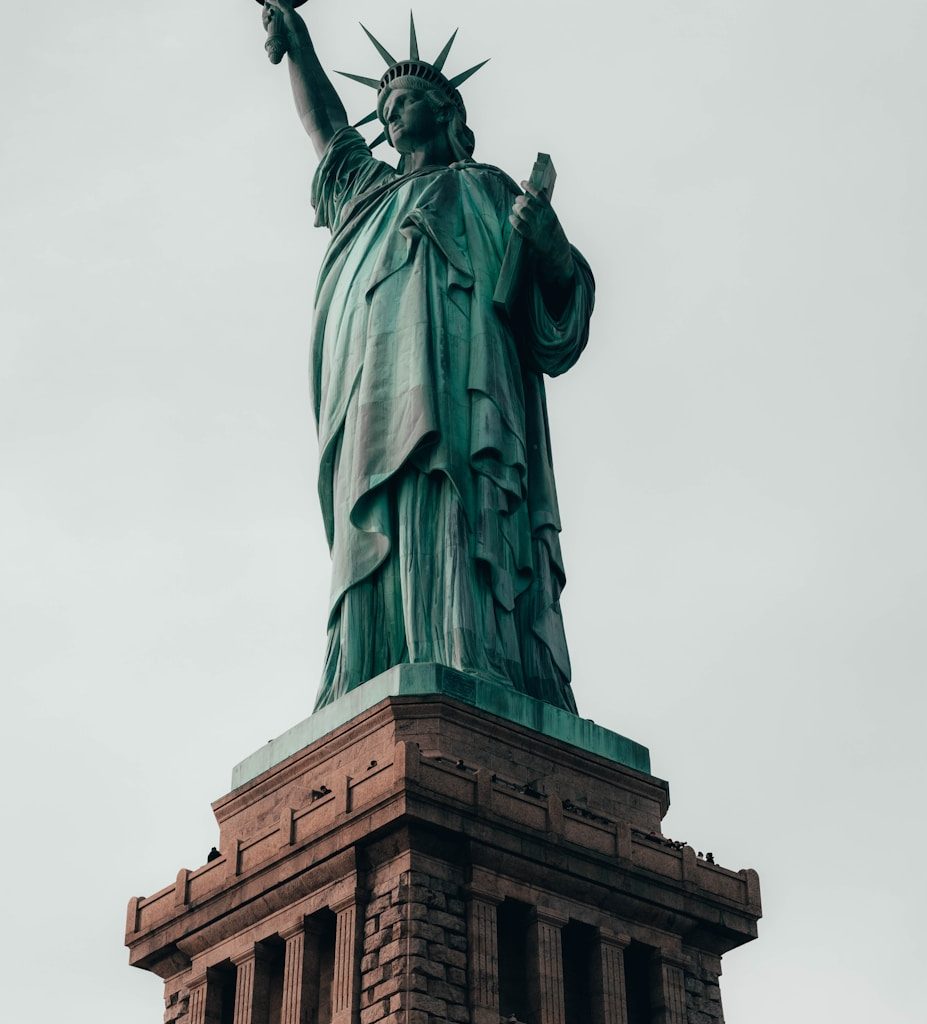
pixel 273 958
pixel 220 1001
pixel 512 919
pixel 579 944
pixel 324 971
pixel 638 979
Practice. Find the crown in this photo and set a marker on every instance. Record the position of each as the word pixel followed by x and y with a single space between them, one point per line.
pixel 413 67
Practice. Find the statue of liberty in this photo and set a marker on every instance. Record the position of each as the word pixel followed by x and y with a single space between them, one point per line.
pixel 435 473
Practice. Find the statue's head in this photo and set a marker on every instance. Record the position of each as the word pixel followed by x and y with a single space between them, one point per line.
pixel 413 108
pixel 418 94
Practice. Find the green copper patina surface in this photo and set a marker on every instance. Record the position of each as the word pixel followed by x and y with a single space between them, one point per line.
pixel 424 680
pixel 435 478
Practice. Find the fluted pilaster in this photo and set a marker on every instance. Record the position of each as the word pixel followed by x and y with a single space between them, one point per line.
pixel 346 977
pixel 300 974
pixel 609 1004
pixel 670 991
pixel 483 941
pixel 252 988
pixel 205 1006
pixel 545 969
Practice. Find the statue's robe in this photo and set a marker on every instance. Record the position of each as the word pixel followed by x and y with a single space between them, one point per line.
pixel 435 473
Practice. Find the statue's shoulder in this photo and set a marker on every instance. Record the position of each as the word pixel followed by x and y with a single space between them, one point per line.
pixel 494 185
pixel 490 175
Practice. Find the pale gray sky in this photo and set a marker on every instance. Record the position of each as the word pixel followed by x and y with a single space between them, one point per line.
pixel 740 452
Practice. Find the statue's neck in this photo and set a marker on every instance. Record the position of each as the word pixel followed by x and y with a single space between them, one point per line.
pixel 434 153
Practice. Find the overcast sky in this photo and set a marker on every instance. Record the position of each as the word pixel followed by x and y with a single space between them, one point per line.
pixel 740 451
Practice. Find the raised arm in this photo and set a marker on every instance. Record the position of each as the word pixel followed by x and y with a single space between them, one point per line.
pixel 320 110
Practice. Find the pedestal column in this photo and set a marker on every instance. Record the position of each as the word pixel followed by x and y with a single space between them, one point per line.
pixel 205 1006
pixel 668 990
pixel 545 969
pixel 346 977
pixel 300 973
pixel 608 986
pixel 252 988
pixel 483 942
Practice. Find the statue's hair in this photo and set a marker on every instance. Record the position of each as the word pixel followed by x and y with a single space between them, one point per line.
pixel 459 135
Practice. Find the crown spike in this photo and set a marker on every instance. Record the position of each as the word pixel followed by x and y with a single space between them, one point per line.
pixel 438 62
pixel 374 83
pixel 464 75
pixel 384 53
pixel 413 38
pixel 372 116
pixel 376 142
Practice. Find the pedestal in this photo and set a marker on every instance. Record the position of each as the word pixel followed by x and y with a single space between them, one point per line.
pixel 430 861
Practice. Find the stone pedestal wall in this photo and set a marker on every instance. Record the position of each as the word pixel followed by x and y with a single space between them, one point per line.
pixel 414 964
pixel 703 992
pixel 429 863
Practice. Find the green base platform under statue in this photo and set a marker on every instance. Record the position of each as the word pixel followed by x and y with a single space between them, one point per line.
pixel 425 679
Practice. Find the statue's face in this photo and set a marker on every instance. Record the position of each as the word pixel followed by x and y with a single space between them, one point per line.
pixel 410 119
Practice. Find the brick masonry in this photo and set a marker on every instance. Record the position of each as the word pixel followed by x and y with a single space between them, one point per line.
pixel 703 992
pixel 414 964
pixel 359 881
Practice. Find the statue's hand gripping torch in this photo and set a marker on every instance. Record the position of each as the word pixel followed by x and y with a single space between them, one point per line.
pixel 274 18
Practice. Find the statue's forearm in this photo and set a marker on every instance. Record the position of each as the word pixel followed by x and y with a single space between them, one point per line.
pixel 320 109
pixel 555 273
pixel 557 292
